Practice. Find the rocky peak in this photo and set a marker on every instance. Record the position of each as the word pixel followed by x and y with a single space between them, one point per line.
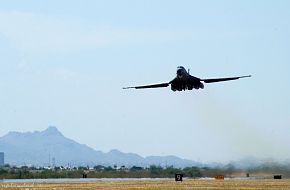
pixel 52 131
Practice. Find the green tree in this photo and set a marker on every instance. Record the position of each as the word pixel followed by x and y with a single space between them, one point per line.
pixel 192 172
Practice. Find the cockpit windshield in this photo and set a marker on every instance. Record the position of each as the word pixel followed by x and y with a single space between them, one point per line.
pixel 180 67
pixel 180 71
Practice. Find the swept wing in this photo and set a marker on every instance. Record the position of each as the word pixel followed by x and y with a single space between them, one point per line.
pixel 149 86
pixel 222 79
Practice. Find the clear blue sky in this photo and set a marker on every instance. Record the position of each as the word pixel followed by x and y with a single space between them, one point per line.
pixel 63 63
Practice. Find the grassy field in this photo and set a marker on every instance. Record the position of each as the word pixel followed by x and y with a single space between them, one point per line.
pixel 152 184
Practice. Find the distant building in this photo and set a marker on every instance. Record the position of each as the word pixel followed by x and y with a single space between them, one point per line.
pixel 1 158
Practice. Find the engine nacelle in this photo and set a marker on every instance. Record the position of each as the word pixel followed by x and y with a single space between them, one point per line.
pixel 201 85
pixel 182 86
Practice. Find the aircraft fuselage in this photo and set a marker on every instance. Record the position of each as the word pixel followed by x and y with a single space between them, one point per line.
pixel 184 81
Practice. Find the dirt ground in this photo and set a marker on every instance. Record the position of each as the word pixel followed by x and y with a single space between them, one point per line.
pixel 152 184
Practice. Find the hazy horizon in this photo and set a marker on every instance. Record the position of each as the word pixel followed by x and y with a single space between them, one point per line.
pixel 54 131
pixel 64 63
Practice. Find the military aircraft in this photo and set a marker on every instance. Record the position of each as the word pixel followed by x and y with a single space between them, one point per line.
pixel 184 81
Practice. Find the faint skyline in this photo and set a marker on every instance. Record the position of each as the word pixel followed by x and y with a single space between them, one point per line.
pixel 65 63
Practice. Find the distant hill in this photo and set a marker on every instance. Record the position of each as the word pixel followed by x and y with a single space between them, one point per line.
pixel 41 147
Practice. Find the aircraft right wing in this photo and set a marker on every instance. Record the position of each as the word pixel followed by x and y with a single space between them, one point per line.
pixel 222 79
pixel 149 86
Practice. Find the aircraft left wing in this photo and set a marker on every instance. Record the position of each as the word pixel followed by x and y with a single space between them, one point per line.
pixel 223 79
pixel 149 86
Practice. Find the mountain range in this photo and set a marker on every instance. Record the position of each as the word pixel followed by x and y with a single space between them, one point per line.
pixel 51 147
